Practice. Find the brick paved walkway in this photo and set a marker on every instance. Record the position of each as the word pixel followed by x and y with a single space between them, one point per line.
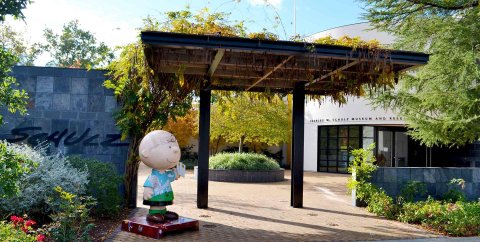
pixel 262 212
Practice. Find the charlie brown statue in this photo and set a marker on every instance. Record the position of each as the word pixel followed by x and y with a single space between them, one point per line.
pixel 159 150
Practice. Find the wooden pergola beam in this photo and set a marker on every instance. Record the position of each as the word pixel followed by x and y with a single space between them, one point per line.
pixel 252 64
pixel 270 72
pixel 216 60
pixel 333 72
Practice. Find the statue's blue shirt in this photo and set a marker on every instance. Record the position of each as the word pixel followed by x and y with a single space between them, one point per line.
pixel 160 181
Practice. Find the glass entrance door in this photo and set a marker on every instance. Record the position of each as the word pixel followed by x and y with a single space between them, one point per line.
pixel 392 148
pixel 385 148
pixel 401 149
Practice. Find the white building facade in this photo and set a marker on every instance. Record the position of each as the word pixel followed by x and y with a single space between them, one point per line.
pixel 332 131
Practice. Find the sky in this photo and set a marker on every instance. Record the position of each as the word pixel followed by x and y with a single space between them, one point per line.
pixel 115 21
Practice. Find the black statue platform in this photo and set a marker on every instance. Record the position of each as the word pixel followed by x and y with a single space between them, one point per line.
pixel 141 226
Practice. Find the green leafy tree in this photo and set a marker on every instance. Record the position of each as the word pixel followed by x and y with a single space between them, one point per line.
pixel 76 47
pixel 242 118
pixel 16 44
pixel 14 99
pixel 149 99
pixel 11 97
pixel 439 101
pixel 13 8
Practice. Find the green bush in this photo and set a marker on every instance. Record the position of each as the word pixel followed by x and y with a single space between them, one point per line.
pixel 362 166
pixel 412 190
pixel 189 158
pixel 457 219
pixel 36 185
pixel 14 164
pixel 455 193
pixel 70 221
pixel 10 232
pixel 420 212
pixel 242 161
pixel 103 184
pixel 383 205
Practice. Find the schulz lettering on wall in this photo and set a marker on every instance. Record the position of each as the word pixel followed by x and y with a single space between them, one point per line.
pixel 34 135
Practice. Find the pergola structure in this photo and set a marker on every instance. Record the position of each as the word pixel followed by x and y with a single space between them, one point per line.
pixel 240 64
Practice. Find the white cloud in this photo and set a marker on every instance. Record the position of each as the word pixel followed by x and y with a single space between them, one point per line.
pixel 275 3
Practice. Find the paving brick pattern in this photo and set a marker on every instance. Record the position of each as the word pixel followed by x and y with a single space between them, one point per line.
pixel 262 212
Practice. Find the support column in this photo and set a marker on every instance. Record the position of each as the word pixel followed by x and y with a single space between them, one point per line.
pixel 298 122
pixel 203 148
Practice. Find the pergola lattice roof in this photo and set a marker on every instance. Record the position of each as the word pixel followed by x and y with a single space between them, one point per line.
pixel 232 63
pixel 241 64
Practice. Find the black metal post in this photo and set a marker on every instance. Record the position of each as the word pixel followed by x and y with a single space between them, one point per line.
pixel 298 117
pixel 203 148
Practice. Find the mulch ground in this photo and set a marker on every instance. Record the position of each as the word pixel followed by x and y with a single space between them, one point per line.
pixel 106 226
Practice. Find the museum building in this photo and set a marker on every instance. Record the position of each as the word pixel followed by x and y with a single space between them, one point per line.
pixel 332 131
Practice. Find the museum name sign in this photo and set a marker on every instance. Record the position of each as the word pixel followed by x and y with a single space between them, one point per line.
pixel 368 119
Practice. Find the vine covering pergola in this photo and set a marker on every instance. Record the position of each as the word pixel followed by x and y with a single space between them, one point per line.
pixel 239 64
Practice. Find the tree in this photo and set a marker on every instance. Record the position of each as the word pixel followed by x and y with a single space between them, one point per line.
pixel 13 8
pixel 242 118
pixel 149 99
pixel 11 97
pixel 14 41
pixel 76 47
pixel 184 128
pixel 440 101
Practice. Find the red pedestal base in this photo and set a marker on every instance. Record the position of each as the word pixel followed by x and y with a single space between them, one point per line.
pixel 141 226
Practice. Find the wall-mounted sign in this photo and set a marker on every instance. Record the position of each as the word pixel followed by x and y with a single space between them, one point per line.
pixel 356 110
pixel 68 138
pixel 356 119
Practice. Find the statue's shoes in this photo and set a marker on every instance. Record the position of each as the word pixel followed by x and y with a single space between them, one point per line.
pixel 171 215
pixel 155 218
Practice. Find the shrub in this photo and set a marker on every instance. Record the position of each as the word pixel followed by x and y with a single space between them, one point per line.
pixel 242 161
pixel 8 232
pixel 15 161
pixel 362 166
pixel 189 158
pixel 455 193
pixel 420 212
pixel 381 204
pixel 457 219
pixel 412 190
pixel 36 187
pixel 103 184
pixel 19 229
pixel 70 219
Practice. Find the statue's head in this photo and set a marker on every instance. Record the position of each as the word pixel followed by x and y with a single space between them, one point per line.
pixel 159 150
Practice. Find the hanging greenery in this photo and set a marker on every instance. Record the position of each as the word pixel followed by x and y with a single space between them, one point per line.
pixel 150 95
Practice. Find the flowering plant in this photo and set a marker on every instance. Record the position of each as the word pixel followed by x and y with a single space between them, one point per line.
pixel 20 229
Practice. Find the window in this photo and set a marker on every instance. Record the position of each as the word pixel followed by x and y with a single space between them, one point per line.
pixel 368 136
pixel 334 146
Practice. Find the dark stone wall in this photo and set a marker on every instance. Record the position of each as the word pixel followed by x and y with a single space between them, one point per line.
pixel 436 179
pixel 70 110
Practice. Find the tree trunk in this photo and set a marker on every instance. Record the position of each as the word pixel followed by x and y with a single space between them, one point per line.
pixel 217 145
pixel 131 171
pixel 240 144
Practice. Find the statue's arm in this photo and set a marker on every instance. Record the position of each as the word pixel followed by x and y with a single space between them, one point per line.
pixel 147 193
pixel 147 189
